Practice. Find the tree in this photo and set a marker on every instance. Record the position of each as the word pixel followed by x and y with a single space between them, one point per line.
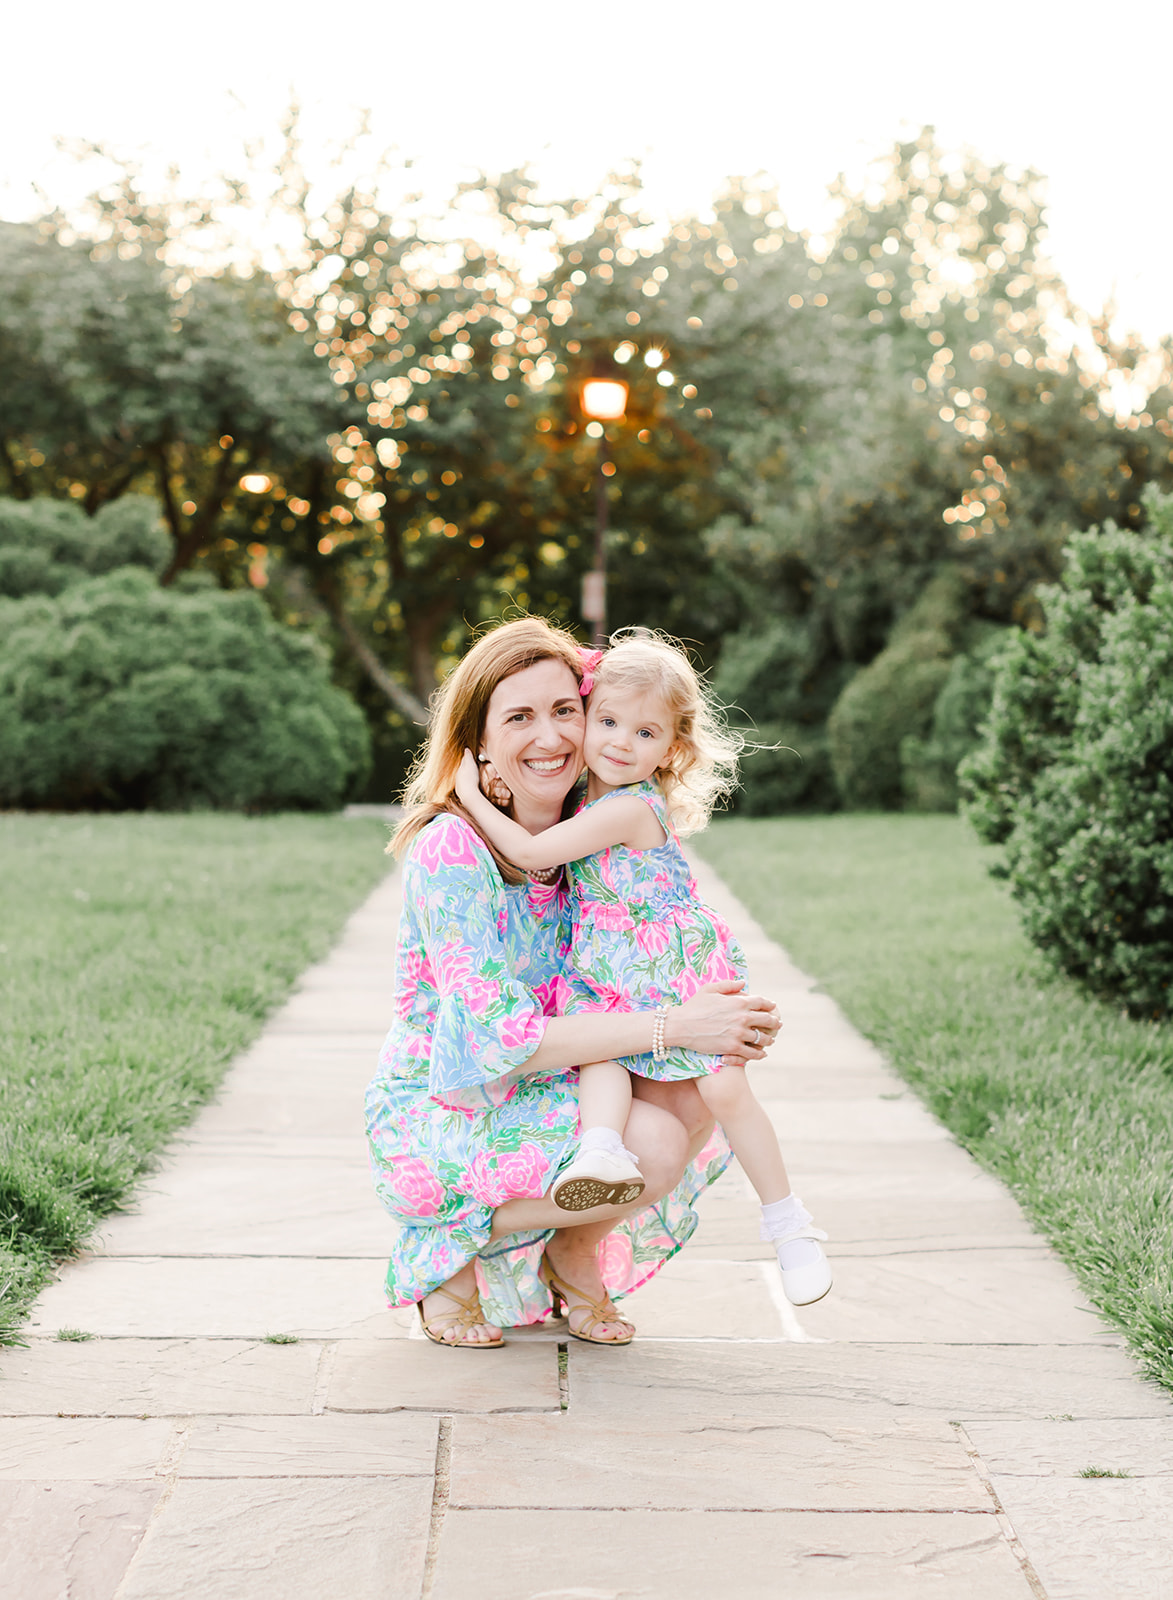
pixel 125 377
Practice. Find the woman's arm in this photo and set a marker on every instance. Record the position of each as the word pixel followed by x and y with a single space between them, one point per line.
pixel 717 1020
pixel 625 820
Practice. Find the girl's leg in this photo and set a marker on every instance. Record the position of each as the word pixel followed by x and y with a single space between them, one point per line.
pixel 604 1096
pixel 786 1222
pixel 604 1171
pixel 749 1130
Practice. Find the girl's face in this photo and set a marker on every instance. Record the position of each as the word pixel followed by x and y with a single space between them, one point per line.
pixel 533 736
pixel 628 736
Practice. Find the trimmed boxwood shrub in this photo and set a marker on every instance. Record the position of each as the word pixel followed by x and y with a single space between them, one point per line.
pixel 48 545
pixel 928 767
pixel 1075 775
pixel 893 697
pixel 116 693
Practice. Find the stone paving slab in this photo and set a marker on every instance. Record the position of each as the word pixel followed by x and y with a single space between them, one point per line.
pixel 358 1538
pixel 281 1109
pixel 219 1297
pixel 1062 1447
pixel 413 1375
pixel 569 1462
pixel 71 1541
pixel 712 1299
pixel 847 1122
pixel 83 1448
pixel 974 1296
pixel 158 1377
pixel 658 1555
pixel 1097 1539
pixel 400 1445
pixel 890 1224
pixel 656 1381
pixel 212 1203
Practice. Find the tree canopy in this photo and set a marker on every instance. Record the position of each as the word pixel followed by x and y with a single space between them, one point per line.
pixel 381 430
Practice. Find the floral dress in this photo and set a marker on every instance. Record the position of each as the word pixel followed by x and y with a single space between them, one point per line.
pixel 455 1125
pixel 642 937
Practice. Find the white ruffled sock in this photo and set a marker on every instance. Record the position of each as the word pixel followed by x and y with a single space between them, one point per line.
pixel 605 1140
pixel 781 1217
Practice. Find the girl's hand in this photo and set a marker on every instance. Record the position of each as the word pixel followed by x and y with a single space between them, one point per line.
pixel 468 786
pixel 722 1020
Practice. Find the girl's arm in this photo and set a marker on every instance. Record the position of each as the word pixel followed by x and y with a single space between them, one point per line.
pixel 627 820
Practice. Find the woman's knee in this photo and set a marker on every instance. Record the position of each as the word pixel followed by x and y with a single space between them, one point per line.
pixel 659 1141
pixel 682 1099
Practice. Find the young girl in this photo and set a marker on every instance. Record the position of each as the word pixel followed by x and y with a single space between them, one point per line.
pixel 658 758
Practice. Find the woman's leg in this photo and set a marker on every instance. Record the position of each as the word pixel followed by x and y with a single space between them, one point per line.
pixel 438 1305
pixel 659 1143
pixel 682 1098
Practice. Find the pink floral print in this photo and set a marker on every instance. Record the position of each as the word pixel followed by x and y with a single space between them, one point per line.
pixel 455 1124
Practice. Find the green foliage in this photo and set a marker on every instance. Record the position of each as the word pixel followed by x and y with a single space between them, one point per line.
pixel 125 378
pixel 1067 1101
pixel 815 428
pixel 893 699
pixel 117 693
pixel 139 955
pixel 1075 775
pixel 48 545
pixel 928 766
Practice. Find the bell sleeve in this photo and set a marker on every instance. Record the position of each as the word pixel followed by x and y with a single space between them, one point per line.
pixel 487 1024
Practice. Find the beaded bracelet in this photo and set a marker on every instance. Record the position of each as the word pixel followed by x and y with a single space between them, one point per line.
pixel 661 1017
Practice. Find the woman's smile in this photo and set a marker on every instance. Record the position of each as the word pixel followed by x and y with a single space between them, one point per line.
pixel 533 736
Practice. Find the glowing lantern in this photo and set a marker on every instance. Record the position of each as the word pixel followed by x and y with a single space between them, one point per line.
pixel 604 399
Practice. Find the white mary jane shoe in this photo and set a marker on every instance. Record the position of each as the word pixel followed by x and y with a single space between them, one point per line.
pixel 598 1178
pixel 804 1285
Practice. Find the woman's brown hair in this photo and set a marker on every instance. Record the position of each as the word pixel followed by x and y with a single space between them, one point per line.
pixel 459 708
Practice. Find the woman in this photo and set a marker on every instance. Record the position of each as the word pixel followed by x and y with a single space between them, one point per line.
pixel 473 1109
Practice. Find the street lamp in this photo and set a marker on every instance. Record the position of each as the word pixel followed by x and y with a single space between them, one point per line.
pixel 603 400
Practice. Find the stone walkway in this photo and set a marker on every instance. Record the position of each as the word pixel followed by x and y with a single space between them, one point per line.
pixel 249 1421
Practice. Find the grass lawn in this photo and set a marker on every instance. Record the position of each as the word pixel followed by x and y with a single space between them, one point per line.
pixel 138 955
pixel 1069 1102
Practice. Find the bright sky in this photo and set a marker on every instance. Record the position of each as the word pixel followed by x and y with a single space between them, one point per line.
pixel 700 90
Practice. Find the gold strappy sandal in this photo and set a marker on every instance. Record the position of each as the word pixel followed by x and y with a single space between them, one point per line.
pixel 598 1311
pixel 470 1315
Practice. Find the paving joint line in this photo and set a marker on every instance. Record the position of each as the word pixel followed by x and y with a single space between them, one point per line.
pixel 441 1488
pixel 1009 1533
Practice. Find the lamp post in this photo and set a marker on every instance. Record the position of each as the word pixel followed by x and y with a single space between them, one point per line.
pixel 603 400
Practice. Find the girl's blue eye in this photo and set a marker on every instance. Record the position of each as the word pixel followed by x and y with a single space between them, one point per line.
pixel 645 733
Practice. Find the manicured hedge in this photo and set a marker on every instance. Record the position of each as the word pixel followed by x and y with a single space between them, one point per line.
pixel 1075 776
pixel 116 693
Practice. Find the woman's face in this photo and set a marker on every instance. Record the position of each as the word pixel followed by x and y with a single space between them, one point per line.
pixel 533 735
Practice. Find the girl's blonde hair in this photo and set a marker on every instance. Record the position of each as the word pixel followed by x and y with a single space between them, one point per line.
pixel 702 767
pixel 459 708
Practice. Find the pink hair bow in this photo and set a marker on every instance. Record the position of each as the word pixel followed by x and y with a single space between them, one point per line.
pixel 590 665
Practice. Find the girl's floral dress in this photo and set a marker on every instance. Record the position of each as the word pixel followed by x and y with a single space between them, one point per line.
pixel 454 1123
pixel 642 937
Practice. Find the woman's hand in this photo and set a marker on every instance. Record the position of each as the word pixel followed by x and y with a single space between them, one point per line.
pixel 722 1020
